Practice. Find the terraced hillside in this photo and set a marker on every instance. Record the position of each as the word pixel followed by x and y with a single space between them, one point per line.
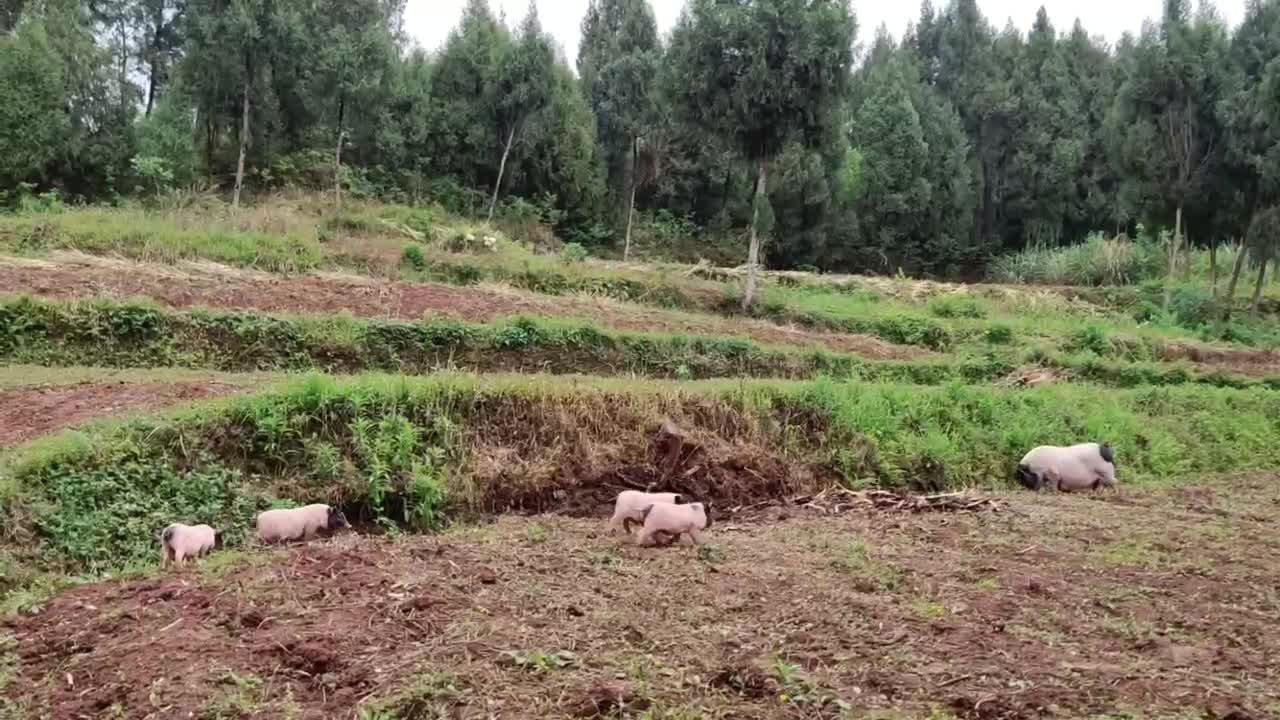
pixel 474 406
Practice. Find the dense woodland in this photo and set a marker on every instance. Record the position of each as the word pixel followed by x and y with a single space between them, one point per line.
pixel 753 124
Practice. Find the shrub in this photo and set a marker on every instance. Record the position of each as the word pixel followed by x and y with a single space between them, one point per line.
pixel 573 253
pixel 956 306
pixel 414 256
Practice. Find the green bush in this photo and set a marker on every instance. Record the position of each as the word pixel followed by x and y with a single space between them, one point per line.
pixel 415 256
pixel 956 306
pixel 573 253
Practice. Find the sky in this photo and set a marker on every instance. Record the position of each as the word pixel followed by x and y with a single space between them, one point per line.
pixel 429 21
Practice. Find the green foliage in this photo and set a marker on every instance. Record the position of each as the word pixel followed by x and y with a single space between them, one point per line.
pixel 1097 261
pixel 391 442
pixel 110 516
pixel 415 256
pixel 573 253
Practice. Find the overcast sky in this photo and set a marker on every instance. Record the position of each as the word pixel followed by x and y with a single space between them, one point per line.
pixel 430 20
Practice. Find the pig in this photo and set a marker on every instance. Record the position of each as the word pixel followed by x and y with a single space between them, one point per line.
pixel 664 523
pixel 1087 466
pixel 630 503
pixel 179 542
pixel 298 523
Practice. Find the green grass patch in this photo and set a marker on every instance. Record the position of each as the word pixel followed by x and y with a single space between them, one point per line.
pixel 138 334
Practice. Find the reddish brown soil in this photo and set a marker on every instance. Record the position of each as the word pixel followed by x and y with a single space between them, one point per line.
pixel 30 411
pixel 1144 604
pixel 80 276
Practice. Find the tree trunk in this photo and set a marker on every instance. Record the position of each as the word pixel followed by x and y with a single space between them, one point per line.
pixel 153 57
pixel 502 168
pixel 337 155
pixel 1213 269
pixel 1230 300
pixel 1257 291
pixel 753 254
pixel 631 204
pixel 1173 258
pixel 244 144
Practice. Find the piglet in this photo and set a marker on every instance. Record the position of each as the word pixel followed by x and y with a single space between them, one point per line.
pixel 664 523
pixel 298 523
pixel 631 503
pixel 179 542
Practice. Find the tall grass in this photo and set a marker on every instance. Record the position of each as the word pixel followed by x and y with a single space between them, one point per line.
pixel 162 237
pixel 1102 261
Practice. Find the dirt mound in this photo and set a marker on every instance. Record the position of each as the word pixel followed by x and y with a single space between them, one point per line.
pixel 71 275
pixel 527 457
pixel 1064 608
pixel 28 412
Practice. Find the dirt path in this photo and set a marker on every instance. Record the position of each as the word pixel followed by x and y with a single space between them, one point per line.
pixel 72 275
pixel 1160 603
pixel 27 412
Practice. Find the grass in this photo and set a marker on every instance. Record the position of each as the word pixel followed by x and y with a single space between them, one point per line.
pixel 419 451
pixel 163 237
pixel 139 334
pixel 298 233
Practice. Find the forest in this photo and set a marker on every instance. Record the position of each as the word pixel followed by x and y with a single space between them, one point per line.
pixel 774 127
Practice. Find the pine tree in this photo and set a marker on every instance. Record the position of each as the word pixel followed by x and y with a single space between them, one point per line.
pixel 761 72
pixel 619 62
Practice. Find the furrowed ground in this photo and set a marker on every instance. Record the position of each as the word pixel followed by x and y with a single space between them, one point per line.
pixel 475 405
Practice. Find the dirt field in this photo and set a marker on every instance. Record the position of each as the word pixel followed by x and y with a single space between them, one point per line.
pixel 73 275
pixel 1152 604
pixel 29 411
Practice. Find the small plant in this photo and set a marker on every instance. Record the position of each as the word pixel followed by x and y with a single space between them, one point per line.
pixel 432 695
pixel 869 575
pixel 1091 338
pixel 415 257
pixel 956 306
pixel 573 253
pixel 541 661
pixel 710 554
pixel 929 609
pixel 988 583
pixel 1000 334
pixel 683 373
pixel 241 697
pixel 536 535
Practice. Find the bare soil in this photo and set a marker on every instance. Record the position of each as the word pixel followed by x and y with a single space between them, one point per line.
pixel 74 275
pixel 27 412
pixel 1147 603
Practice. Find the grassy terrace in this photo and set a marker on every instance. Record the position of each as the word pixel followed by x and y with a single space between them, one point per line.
pixel 419 452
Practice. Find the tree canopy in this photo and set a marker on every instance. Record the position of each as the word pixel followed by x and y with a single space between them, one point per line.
pixel 929 153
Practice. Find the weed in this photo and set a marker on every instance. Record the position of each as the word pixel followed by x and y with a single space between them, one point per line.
pixel 541 661
pixel 430 696
pixel 573 253
pixel 795 689
pixel 609 559
pixel 241 697
pixel 710 554
pixel 988 583
pixel 536 535
pixel 869 575
pixel 928 609
pixel 415 257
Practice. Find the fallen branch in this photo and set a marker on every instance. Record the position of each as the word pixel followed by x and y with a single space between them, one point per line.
pixel 838 500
